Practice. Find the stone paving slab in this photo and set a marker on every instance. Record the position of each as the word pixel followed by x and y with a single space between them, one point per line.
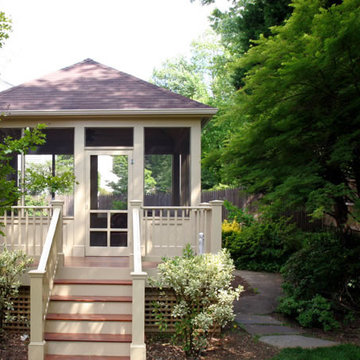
pixel 256 319
pixel 270 329
pixel 293 341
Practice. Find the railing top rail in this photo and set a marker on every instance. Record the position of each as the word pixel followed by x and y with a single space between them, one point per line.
pixel 201 207
pixel 49 240
pixel 109 211
pixel 31 207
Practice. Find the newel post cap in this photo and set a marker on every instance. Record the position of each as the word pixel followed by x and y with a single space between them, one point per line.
pixel 57 203
pixel 135 203
pixel 216 202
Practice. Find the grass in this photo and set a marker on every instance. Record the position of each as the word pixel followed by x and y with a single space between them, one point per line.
pixel 341 352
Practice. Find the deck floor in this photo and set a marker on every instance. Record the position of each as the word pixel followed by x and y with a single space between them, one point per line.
pixel 104 261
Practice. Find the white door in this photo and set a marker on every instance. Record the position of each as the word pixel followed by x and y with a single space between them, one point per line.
pixel 108 190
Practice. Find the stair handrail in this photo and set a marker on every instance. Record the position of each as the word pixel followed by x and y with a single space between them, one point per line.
pixel 42 280
pixel 137 347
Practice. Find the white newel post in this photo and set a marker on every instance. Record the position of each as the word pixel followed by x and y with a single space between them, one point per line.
pixel 137 347
pixel 216 221
pixel 60 243
pixel 37 342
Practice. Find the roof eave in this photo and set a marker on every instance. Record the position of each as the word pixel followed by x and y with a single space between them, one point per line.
pixel 114 112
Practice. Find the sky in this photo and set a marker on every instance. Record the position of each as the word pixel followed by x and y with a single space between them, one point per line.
pixel 133 36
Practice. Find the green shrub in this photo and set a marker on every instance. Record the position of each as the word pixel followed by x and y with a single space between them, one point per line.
pixel 322 279
pixel 12 265
pixel 316 312
pixel 264 245
pixel 204 296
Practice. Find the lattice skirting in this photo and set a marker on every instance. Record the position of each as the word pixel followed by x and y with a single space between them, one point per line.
pixel 167 301
pixel 21 311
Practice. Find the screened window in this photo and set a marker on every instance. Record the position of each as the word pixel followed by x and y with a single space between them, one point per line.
pixel 54 158
pixel 15 134
pixel 167 166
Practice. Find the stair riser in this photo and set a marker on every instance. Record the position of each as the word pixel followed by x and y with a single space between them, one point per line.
pixel 92 290
pixel 94 273
pixel 73 307
pixel 88 327
pixel 87 348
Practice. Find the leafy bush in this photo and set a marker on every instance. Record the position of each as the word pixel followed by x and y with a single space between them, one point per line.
pixel 204 296
pixel 12 265
pixel 238 215
pixel 322 279
pixel 259 244
pixel 316 312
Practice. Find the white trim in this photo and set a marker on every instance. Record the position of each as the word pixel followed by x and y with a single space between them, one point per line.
pixel 114 112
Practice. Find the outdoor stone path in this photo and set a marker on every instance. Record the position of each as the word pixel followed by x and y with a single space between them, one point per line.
pixel 252 313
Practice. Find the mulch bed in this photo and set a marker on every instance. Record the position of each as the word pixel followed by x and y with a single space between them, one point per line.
pixel 12 347
pixel 232 345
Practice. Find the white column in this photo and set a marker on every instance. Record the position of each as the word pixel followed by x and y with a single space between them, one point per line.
pixel 79 193
pixel 138 164
pixel 195 164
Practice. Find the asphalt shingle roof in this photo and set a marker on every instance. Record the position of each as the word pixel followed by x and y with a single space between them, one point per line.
pixel 89 85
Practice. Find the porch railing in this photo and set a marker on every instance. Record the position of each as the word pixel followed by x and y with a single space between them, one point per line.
pixel 41 282
pixel 25 228
pixel 166 230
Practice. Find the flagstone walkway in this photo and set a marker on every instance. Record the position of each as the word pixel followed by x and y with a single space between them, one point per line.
pixel 253 314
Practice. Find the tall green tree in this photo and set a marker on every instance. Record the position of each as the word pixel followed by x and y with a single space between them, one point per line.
pixel 203 76
pixel 298 115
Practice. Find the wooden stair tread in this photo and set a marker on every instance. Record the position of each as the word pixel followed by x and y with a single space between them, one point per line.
pixel 90 317
pixel 85 357
pixel 83 337
pixel 79 298
pixel 91 282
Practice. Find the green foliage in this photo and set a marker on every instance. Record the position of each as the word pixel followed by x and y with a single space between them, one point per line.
pixel 12 265
pixel 316 312
pixel 322 279
pixel 341 352
pixel 201 76
pixel 5 28
pixel 119 205
pixel 263 245
pixel 120 169
pixel 239 215
pixel 8 149
pixel 244 22
pixel 298 125
pixel 39 178
pixel 204 296
pixel 158 173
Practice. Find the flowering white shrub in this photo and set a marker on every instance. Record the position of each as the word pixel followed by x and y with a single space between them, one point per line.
pixel 204 296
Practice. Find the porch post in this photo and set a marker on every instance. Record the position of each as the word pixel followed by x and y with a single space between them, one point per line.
pixel 60 241
pixel 37 342
pixel 216 221
pixel 138 347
